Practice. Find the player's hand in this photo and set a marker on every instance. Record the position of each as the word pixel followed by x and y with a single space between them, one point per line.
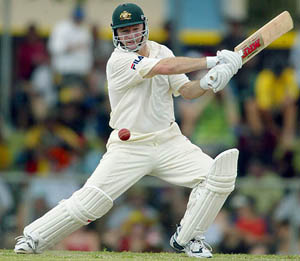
pixel 217 77
pixel 229 57
pixel 224 74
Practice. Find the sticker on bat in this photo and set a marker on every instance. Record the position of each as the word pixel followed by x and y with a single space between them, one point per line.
pixel 255 45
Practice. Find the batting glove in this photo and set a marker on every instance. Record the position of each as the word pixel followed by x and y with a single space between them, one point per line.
pixel 217 77
pixel 211 61
pixel 229 57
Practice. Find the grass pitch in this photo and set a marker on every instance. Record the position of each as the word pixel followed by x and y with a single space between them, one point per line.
pixel 9 255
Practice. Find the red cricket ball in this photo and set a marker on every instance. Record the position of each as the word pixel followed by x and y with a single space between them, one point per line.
pixel 124 134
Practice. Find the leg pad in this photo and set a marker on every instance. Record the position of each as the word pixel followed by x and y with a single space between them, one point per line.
pixel 84 206
pixel 206 200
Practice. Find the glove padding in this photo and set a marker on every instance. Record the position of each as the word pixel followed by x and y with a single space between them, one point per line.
pixel 217 77
pixel 229 57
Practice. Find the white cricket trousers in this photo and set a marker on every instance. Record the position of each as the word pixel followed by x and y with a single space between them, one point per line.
pixel 165 154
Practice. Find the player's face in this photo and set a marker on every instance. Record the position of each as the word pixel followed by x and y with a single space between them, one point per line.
pixel 131 36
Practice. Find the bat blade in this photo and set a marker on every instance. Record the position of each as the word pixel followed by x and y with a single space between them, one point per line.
pixel 267 34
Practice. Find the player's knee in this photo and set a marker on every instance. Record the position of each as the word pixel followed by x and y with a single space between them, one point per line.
pixel 88 204
pixel 223 172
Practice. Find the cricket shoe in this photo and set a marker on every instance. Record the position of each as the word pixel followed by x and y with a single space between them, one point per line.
pixel 26 245
pixel 195 248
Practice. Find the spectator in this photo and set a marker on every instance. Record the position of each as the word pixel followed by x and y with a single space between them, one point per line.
pixel 135 233
pixel 70 46
pixel 22 113
pixel 251 227
pixel 264 185
pixel 43 94
pixel 136 201
pixel 30 53
pixel 130 223
pixel 72 116
pixel 286 163
pixel 276 94
pixel 50 146
pixel 235 34
pixel 288 209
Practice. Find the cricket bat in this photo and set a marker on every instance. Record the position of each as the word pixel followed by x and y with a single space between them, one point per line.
pixel 264 36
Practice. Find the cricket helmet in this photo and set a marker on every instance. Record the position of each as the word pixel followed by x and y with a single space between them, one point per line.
pixel 127 15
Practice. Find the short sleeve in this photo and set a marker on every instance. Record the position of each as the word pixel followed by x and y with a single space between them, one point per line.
pixel 176 81
pixel 128 70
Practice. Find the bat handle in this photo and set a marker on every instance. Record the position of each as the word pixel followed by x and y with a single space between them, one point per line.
pixel 240 52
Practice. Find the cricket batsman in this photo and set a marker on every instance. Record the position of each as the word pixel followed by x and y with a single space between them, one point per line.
pixel 143 76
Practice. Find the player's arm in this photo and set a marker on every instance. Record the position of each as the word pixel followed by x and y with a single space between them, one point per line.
pixel 179 65
pixel 191 90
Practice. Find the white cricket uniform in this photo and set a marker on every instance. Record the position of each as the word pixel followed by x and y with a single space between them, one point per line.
pixel 145 107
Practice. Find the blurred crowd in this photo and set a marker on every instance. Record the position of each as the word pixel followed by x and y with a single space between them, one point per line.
pixel 59 128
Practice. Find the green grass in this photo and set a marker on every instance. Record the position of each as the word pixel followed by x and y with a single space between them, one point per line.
pixel 9 255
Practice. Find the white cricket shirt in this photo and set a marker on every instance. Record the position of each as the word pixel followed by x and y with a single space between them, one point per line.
pixel 140 104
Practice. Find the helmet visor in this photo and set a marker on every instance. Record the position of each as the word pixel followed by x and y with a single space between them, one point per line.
pixel 131 42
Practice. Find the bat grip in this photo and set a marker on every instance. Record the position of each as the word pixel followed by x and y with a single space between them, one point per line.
pixel 240 52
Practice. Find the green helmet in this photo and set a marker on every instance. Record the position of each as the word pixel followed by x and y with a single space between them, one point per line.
pixel 127 15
